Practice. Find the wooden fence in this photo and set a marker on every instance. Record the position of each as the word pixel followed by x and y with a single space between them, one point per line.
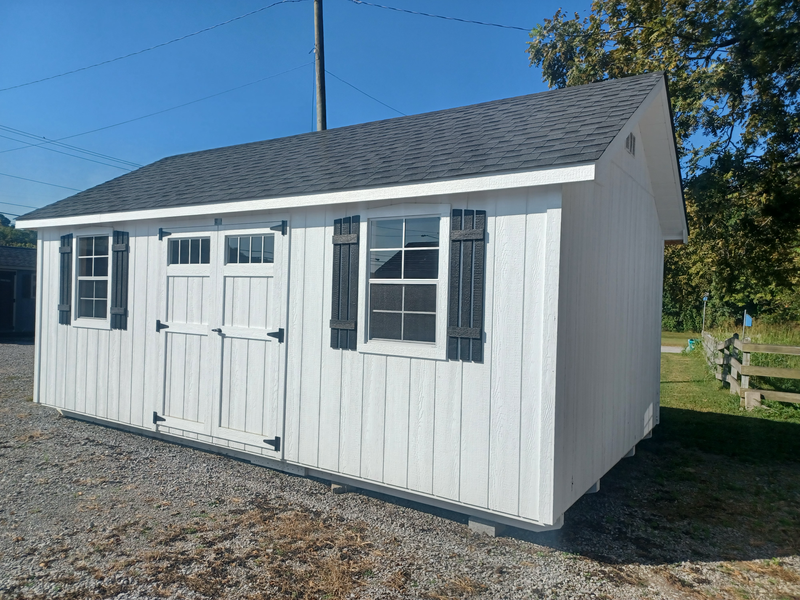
pixel 731 362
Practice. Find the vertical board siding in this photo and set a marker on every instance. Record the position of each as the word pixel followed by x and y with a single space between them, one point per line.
pixel 609 322
pixel 396 435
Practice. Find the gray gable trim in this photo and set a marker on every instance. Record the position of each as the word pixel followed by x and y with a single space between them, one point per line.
pixel 550 129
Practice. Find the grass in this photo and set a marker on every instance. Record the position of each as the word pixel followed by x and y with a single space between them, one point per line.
pixel 673 338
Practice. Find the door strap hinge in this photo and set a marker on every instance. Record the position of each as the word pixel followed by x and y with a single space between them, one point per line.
pixel 275 443
pixel 282 227
pixel 157 419
pixel 162 234
pixel 278 335
pixel 160 325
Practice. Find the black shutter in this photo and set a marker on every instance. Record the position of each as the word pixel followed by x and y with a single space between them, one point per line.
pixel 65 287
pixel 467 266
pixel 344 309
pixel 119 281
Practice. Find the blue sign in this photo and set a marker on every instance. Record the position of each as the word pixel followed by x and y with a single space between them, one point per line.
pixel 705 298
pixel 748 321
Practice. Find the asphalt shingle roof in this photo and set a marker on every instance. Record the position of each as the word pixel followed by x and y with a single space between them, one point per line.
pixel 549 129
pixel 14 257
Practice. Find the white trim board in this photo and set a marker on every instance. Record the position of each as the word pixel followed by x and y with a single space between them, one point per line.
pixel 580 172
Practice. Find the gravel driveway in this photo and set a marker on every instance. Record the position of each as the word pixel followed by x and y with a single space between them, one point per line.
pixel 90 512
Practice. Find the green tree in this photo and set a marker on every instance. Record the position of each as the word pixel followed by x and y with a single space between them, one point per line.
pixel 11 236
pixel 734 74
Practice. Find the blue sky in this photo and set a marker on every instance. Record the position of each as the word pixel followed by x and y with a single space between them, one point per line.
pixel 412 63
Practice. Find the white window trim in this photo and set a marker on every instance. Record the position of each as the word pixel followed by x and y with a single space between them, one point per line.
pixel 437 350
pixel 86 322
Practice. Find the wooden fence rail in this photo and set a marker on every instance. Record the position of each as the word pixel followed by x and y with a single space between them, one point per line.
pixel 729 368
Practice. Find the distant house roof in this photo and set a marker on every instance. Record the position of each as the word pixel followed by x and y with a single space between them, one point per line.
pixel 550 129
pixel 12 257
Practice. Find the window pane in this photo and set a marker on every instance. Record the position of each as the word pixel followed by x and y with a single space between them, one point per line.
pixel 194 251
pixel 85 246
pixel 101 267
pixel 385 297
pixel 173 252
pixel 100 309
pixel 244 249
pixel 233 249
pixel 269 248
pixel 420 298
pixel 205 251
pixel 255 249
pixel 419 328
pixel 86 308
pixel 184 252
pixel 101 289
pixel 101 246
pixel 422 233
pixel 85 289
pixel 85 267
pixel 421 264
pixel 386 234
pixel 385 325
pixel 385 264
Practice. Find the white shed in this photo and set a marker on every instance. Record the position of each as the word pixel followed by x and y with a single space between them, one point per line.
pixel 462 307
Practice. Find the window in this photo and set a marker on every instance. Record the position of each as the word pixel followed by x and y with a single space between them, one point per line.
pixel 403 259
pixel 93 277
pixel 245 249
pixel 190 251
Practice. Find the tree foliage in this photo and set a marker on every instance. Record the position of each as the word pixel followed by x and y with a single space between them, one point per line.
pixel 11 236
pixel 734 75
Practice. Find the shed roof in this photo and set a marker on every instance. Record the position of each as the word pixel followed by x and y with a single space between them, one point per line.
pixel 555 128
pixel 14 257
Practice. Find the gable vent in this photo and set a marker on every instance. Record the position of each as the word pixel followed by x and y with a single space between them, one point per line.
pixel 630 144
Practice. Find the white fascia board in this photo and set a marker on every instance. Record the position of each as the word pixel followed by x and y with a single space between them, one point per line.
pixel 573 173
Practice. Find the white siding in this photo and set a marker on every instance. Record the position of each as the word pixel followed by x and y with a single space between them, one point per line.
pixel 609 323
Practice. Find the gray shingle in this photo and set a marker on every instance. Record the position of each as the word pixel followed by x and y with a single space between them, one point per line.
pixel 557 127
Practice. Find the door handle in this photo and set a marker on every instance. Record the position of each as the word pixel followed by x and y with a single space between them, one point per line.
pixel 217 330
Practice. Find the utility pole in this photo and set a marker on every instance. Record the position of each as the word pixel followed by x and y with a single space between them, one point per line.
pixel 319 60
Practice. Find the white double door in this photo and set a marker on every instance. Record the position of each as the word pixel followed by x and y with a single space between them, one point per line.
pixel 223 319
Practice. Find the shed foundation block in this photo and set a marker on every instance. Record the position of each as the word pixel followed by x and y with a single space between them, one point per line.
pixel 339 488
pixel 595 488
pixel 630 453
pixel 489 528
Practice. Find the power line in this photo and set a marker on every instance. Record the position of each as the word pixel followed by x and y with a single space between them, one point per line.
pixel 424 14
pixel 365 93
pixel 66 153
pixel 61 144
pixel 42 182
pixel 161 45
pixel 9 214
pixel 158 112
pixel 4 203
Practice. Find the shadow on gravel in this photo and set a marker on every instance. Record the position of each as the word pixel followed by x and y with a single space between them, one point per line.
pixel 16 339
pixel 707 487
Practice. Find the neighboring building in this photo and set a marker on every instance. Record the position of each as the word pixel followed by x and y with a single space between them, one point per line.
pixel 461 307
pixel 17 290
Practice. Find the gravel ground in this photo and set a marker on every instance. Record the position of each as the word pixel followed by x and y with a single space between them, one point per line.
pixel 90 512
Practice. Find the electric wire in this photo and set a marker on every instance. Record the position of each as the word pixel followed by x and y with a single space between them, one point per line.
pixel 158 112
pixel 365 93
pixel 9 214
pixel 68 154
pixel 424 14
pixel 42 182
pixel 161 45
pixel 41 138
pixel 4 203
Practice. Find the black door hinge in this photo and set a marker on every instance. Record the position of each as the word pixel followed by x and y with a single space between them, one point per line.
pixel 282 227
pixel 275 443
pixel 278 335
pixel 157 419
pixel 160 325
pixel 162 234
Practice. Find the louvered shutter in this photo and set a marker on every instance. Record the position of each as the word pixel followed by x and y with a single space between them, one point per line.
pixel 344 309
pixel 119 280
pixel 467 266
pixel 65 284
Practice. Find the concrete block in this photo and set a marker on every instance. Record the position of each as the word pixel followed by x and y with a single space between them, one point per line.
pixel 648 435
pixel 595 488
pixel 339 488
pixel 484 527
pixel 630 453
